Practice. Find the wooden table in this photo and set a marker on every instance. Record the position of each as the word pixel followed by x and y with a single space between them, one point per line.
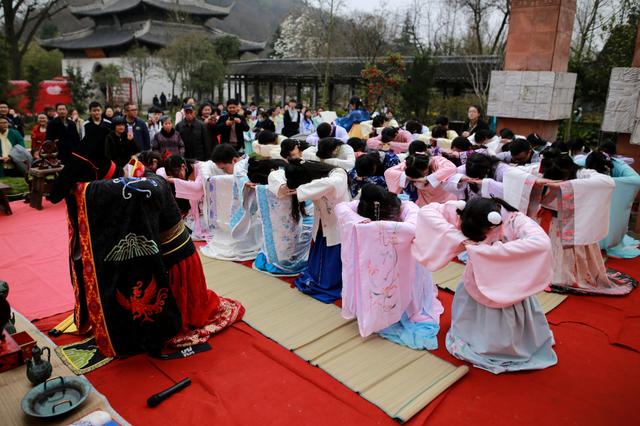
pixel 4 201
pixel 40 184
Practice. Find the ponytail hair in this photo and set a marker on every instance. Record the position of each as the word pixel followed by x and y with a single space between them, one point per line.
pixel 299 172
pixel 558 165
pixel 601 162
pixel 376 203
pixel 417 164
pixel 327 146
pixel 259 169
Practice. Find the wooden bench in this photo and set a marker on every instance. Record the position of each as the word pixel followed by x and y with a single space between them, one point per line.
pixel 4 201
pixel 41 180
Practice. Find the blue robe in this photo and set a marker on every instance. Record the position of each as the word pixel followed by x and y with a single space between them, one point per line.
pixel 354 116
pixel 627 180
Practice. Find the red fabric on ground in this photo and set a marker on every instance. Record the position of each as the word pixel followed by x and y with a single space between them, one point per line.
pixel 34 259
pixel 248 379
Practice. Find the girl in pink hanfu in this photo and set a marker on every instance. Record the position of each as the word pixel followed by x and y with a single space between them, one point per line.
pixel 397 139
pixel 496 320
pixel 573 207
pixel 383 286
pixel 421 176
pixel 192 188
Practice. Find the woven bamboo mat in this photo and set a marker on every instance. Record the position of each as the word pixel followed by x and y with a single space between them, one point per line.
pixel 397 379
pixel 14 386
pixel 450 276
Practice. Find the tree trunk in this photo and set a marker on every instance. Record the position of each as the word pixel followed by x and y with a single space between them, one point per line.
pixel 327 64
pixel 502 27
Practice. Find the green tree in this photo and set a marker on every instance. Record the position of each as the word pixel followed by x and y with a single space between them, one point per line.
pixel 415 91
pixel 382 81
pixel 227 48
pixel 81 89
pixel 593 75
pixel 47 64
pixel 22 20
pixel 195 57
pixel 108 79
pixel 49 30
pixel 5 87
pixel 169 62
pixel 138 62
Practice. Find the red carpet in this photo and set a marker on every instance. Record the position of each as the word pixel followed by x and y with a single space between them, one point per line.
pixel 247 379
pixel 34 259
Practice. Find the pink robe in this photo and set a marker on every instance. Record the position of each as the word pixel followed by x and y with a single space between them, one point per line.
pixel 400 144
pixel 512 264
pixel 431 191
pixel 381 281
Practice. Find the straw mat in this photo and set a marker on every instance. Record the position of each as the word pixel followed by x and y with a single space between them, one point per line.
pixel 399 380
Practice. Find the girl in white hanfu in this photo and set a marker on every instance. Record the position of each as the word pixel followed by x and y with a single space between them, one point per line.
pixel 233 211
pixel 325 186
pixel 332 151
pixel 617 242
pixel 573 207
pixel 383 286
pixel 496 320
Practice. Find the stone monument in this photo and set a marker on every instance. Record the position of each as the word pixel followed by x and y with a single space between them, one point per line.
pixel 535 91
pixel 622 111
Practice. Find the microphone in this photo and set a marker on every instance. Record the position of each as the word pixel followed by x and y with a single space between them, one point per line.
pixel 157 398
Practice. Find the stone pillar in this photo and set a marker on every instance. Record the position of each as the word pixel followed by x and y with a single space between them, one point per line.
pixel 256 91
pixel 622 112
pixel 315 95
pixel 534 91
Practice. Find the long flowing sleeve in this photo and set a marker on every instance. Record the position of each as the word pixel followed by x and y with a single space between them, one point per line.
pixel 346 158
pixel 395 177
pixel 276 180
pixel 324 186
pixel 504 273
pixel 438 239
pixel 441 170
pixel 584 208
pixel 347 219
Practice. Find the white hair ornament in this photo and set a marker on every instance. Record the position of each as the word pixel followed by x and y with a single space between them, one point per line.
pixel 460 204
pixel 494 218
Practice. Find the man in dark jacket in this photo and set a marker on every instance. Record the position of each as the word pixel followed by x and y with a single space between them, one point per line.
pixel 292 120
pixel 197 145
pixel 137 126
pixel 64 132
pixel 96 127
pixel 231 126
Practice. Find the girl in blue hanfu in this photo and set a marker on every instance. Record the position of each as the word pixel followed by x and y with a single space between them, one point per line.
pixel 357 114
pixel 383 285
pixel 286 238
pixel 326 186
pixel 496 320
pixel 627 181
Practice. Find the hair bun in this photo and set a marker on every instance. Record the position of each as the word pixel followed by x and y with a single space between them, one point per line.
pixel 460 204
pixel 494 218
